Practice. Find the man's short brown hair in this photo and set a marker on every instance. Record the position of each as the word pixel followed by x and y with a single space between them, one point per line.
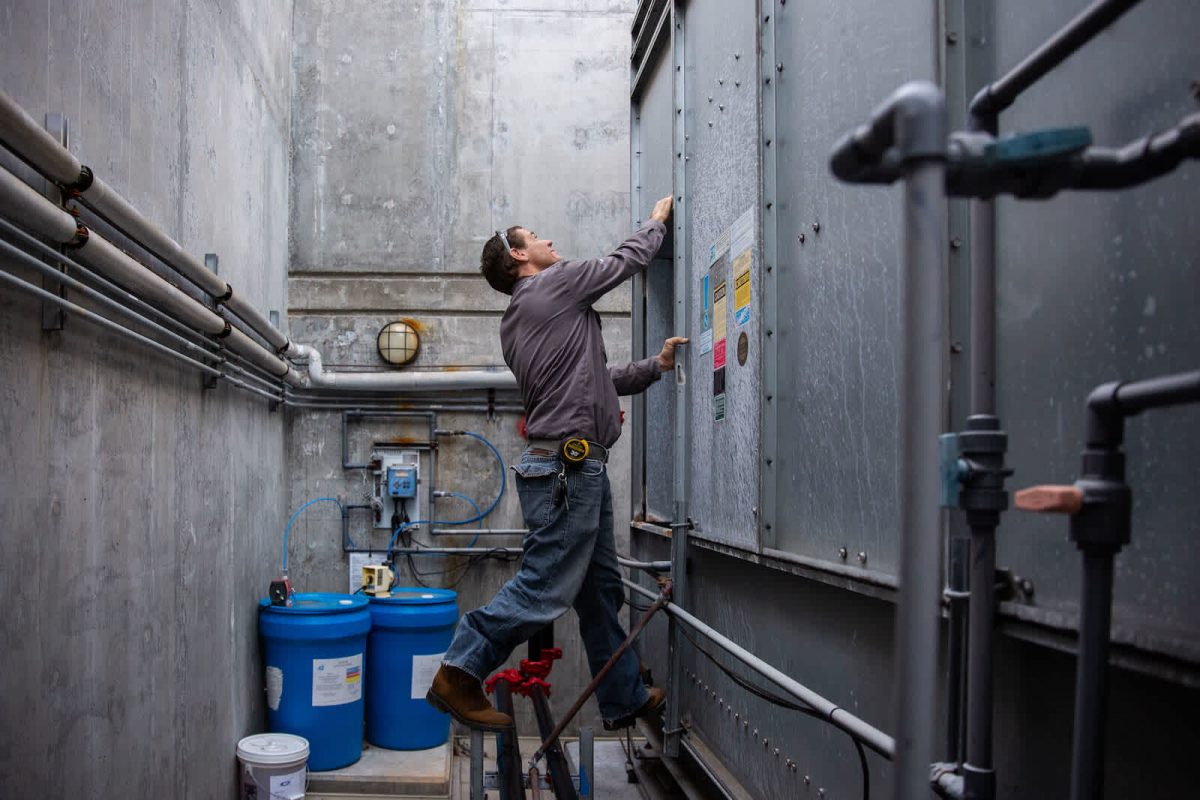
pixel 497 264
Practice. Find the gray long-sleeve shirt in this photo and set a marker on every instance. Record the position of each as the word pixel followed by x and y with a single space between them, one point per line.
pixel 552 343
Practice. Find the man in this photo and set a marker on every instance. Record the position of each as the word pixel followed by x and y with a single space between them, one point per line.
pixel 551 340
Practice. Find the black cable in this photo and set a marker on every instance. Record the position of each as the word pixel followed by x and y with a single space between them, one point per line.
pixel 775 699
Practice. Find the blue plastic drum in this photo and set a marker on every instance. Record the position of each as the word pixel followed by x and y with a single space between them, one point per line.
pixel 314 653
pixel 410 632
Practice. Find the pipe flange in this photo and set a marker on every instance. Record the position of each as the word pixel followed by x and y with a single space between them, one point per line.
pixel 84 181
pixel 79 239
pixel 228 330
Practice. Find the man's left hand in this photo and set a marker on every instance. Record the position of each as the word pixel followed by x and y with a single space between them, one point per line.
pixel 666 359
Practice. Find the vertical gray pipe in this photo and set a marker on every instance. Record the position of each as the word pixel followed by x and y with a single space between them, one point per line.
pixel 977 770
pixel 922 408
pixel 983 307
pixel 1091 677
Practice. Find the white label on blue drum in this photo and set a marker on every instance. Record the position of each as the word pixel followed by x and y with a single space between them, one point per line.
pixel 274 687
pixel 337 681
pixel 423 670
pixel 288 787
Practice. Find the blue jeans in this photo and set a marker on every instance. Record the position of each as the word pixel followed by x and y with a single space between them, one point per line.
pixel 570 561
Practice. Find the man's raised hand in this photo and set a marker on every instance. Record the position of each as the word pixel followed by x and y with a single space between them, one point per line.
pixel 662 209
pixel 666 359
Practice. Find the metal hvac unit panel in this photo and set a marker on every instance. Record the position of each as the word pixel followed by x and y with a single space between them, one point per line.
pixel 837 643
pixel 838 302
pixel 724 384
pixel 1097 287
pixel 654 117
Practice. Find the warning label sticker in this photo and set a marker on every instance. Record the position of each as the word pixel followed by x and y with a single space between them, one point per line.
pixel 423 670
pixel 719 325
pixel 706 337
pixel 337 681
pixel 742 250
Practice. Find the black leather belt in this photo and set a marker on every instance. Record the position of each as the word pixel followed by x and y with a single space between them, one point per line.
pixel 573 450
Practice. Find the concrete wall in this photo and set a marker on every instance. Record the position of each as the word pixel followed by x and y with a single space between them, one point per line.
pixel 418 129
pixel 140 515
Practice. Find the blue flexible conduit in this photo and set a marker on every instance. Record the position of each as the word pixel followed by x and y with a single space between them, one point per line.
pixel 288 529
pixel 479 515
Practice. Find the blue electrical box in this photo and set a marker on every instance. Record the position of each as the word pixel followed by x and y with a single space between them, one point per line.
pixel 402 481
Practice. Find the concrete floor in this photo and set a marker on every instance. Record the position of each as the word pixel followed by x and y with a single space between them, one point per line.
pixel 445 772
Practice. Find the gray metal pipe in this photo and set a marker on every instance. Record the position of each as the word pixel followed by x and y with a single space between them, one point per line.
pixel 866 733
pixel 445 380
pixel 654 566
pixel 455 551
pixel 24 136
pixel 1091 677
pixel 922 409
pixel 978 769
pixel 479 532
pixel 105 301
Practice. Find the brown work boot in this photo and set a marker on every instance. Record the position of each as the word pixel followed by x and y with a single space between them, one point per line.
pixel 458 693
pixel 653 704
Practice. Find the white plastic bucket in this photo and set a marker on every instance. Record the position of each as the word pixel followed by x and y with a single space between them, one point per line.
pixel 273 766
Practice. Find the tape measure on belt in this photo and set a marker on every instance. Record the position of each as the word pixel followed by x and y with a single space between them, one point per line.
pixel 574 450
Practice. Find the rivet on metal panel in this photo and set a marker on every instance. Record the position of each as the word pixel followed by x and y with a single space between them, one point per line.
pixel 951 37
pixel 770 397
pixel 955 243
pixel 769 463
pixel 768 142
pixel 770 332
pixel 736 84
pixel 806 780
pixel 957 347
pixel 737 56
pixel 721 81
pixel 679 111
pixel 686 137
pixel 842 553
pixel 766 744
pixel 779 67
pixel 1026 587
pixel 777 752
pixel 745 724
pixel 862 557
pixel 768 526
pixel 800 238
pixel 710 124
pixel 720 107
pixel 767 80
pixel 769 204
pixel 710 99
pixel 816 227
pixel 769 268
pixel 766 19
pixel 687 158
pixel 820 792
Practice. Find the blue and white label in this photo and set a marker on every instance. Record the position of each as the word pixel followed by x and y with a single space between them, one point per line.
pixel 337 681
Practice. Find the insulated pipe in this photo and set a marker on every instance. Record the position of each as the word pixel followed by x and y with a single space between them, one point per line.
pixel 480 532
pixel 45 218
pixel 26 206
pixel 869 735
pixel 34 143
pixel 141 310
pixel 72 308
pixel 448 380
pixel 120 268
pixel 105 201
